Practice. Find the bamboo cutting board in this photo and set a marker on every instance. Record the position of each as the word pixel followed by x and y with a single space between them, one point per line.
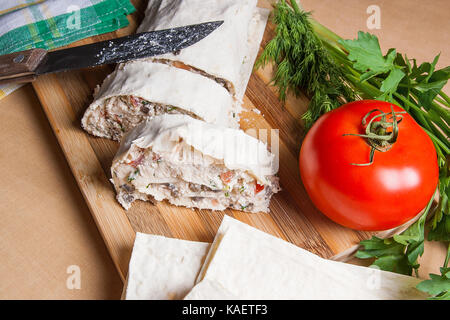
pixel 65 97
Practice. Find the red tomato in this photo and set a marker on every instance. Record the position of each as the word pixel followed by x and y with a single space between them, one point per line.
pixel 383 195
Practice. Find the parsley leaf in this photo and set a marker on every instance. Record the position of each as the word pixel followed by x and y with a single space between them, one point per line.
pixel 365 51
pixel 366 54
pixel 438 286
pixel 400 253
pixel 388 254
pixel 441 231
pixel 428 82
pixel 440 224
pixel 390 84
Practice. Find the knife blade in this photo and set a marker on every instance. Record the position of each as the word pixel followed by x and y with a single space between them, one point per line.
pixel 24 66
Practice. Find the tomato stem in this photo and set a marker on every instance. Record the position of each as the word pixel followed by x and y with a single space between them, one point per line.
pixel 377 134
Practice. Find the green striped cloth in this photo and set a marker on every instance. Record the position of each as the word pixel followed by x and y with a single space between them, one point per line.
pixel 55 23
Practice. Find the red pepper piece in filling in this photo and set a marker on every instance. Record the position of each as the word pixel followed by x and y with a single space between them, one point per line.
pixel 135 101
pixel 258 188
pixel 227 176
pixel 137 162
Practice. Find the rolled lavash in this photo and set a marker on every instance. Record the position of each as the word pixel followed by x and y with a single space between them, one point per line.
pixel 219 68
pixel 184 160
pixel 228 53
pixel 178 90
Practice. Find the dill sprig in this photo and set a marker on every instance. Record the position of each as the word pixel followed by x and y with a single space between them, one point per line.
pixel 303 64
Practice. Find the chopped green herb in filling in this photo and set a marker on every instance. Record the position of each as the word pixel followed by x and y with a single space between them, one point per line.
pixel 133 175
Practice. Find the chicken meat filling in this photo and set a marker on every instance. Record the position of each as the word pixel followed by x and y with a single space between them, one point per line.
pixel 121 114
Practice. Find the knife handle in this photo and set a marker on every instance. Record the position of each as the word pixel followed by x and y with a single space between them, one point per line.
pixel 21 66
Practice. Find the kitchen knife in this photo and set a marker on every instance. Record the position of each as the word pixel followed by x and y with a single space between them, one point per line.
pixel 24 66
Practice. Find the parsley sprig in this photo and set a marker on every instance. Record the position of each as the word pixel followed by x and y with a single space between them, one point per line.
pixel 332 71
pixel 438 287
pixel 400 253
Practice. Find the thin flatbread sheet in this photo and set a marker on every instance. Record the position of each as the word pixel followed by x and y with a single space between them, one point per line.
pixel 247 263
pixel 163 268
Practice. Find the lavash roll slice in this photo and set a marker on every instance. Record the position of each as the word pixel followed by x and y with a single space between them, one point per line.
pixel 224 53
pixel 140 89
pixel 191 163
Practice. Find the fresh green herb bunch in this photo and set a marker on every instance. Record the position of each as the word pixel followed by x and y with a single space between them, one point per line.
pixel 332 71
pixel 418 88
pixel 303 63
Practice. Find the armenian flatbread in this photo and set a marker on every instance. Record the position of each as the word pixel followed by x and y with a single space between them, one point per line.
pixel 195 81
pixel 138 90
pixel 163 268
pixel 227 54
pixel 247 263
